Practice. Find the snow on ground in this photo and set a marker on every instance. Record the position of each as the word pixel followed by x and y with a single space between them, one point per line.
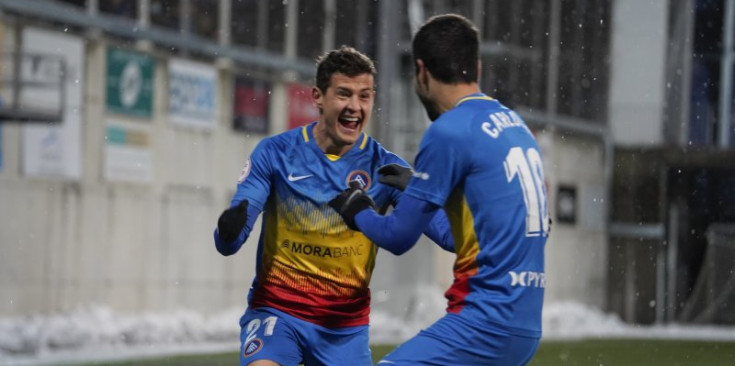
pixel 96 333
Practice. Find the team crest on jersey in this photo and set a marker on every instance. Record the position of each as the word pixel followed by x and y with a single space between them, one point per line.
pixel 252 347
pixel 245 171
pixel 361 176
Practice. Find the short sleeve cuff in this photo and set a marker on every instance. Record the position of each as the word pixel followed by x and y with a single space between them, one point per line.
pixel 425 196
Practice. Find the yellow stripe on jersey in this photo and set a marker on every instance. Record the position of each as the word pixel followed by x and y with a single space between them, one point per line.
pixel 305 133
pixel 313 241
pixel 484 97
pixel 463 231
pixel 333 157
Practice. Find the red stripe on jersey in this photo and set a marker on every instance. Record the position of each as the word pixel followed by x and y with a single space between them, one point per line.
pixel 335 313
pixel 466 247
pixel 458 291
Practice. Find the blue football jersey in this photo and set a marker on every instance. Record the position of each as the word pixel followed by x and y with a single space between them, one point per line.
pixel 310 265
pixel 482 164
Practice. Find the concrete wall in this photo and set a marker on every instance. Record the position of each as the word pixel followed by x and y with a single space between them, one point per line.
pixel 576 253
pixel 133 246
pixel 638 68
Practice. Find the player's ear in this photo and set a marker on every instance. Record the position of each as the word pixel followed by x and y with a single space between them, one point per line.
pixel 420 68
pixel 422 74
pixel 318 97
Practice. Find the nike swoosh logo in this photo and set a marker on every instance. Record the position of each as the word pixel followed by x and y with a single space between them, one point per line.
pixel 291 177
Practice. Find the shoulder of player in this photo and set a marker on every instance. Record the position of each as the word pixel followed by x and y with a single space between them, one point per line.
pixel 381 154
pixel 370 144
pixel 282 140
pixel 452 124
pixel 458 122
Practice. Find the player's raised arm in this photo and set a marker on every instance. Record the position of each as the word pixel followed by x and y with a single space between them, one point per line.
pixel 253 187
pixel 397 232
pixel 439 230
pixel 234 226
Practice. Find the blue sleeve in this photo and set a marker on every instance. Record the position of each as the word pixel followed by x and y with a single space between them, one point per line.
pixel 391 158
pixel 439 229
pixel 225 248
pixel 440 232
pixel 254 186
pixel 440 163
pixel 399 231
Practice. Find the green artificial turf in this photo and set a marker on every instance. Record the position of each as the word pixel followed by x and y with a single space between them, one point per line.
pixel 623 352
pixel 598 352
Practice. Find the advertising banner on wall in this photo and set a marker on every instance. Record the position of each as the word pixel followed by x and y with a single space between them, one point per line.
pixel 53 151
pixel 129 83
pixel 128 152
pixel 192 93
pixel 250 105
pixel 301 108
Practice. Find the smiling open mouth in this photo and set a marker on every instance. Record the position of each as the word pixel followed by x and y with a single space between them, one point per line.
pixel 351 123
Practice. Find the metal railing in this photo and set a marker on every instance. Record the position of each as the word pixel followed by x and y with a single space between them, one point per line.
pixel 129 28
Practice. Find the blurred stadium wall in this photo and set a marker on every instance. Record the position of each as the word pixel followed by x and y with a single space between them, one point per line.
pixel 116 161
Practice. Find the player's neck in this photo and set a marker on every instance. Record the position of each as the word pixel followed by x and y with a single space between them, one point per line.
pixel 326 143
pixel 447 95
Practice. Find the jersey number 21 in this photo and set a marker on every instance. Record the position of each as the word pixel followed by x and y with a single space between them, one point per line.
pixel 527 166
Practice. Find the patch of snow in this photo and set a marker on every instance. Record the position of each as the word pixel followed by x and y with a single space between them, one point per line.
pixel 95 333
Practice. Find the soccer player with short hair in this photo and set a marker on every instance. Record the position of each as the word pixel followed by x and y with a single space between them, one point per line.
pixel 309 302
pixel 480 162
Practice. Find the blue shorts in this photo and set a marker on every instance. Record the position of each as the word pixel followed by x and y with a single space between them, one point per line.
pixel 453 340
pixel 269 334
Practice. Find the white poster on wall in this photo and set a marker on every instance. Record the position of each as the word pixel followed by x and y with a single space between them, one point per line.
pixel 53 150
pixel 128 155
pixel 192 91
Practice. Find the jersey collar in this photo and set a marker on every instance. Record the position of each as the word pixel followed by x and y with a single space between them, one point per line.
pixel 473 96
pixel 307 134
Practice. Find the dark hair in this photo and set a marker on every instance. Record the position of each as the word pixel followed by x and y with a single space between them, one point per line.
pixel 448 45
pixel 345 60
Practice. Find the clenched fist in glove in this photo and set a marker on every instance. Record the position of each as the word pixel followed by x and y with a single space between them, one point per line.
pixel 350 202
pixel 395 175
pixel 232 221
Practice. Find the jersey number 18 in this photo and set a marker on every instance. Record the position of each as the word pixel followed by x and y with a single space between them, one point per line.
pixel 531 178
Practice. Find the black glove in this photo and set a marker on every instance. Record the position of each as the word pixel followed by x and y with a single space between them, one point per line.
pixel 350 202
pixel 232 221
pixel 395 175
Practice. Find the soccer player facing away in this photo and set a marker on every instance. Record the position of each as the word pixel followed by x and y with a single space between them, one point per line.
pixel 309 302
pixel 480 162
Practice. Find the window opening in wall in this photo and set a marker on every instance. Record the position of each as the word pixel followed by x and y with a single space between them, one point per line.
pixel 165 13
pixel 204 18
pixel 244 24
pixel 123 8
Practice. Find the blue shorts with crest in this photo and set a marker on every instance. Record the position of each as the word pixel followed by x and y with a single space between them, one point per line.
pixel 269 334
